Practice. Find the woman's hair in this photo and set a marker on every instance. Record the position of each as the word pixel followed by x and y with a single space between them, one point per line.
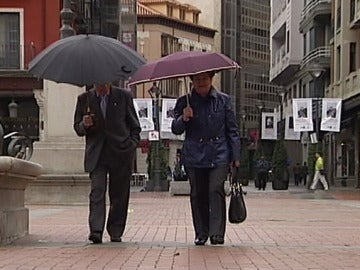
pixel 210 73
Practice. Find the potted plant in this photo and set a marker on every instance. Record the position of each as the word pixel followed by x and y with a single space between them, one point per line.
pixel 280 167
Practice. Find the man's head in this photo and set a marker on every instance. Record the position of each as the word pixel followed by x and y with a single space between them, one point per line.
pixel 317 154
pixel 202 82
pixel 102 88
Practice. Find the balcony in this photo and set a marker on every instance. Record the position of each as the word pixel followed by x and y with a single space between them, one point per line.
pixel 282 66
pixel 15 56
pixel 321 56
pixel 315 10
pixel 355 23
pixel 346 89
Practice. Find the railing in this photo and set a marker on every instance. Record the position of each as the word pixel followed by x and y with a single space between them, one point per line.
pixel 319 52
pixel 311 5
pixel 346 88
pixel 16 56
pixel 278 9
pixel 351 84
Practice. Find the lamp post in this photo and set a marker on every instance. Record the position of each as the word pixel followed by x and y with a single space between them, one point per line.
pixel 316 74
pixel 261 107
pixel 67 16
pixel 281 127
pixel 156 181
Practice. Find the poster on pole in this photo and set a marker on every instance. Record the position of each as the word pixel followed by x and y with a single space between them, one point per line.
pixel 290 134
pixel 331 114
pixel 167 116
pixel 143 107
pixel 268 126
pixel 302 113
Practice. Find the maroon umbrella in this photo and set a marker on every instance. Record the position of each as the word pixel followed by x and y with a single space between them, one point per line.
pixel 181 64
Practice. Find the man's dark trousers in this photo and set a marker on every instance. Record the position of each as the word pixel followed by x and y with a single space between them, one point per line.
pixel 119 170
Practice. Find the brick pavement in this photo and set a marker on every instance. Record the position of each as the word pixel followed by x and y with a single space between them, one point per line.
pixel 294 229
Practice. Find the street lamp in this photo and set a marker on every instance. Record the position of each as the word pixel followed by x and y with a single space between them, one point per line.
pixel 261 107
pixel 156 181
pixel 281 126
pixel 316 74
pixel 67 17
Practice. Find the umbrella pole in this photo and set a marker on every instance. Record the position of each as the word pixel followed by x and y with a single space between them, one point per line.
pixel 187 92
pixel 87 101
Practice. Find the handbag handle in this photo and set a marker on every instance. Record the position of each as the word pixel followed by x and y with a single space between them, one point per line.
pixel 235 180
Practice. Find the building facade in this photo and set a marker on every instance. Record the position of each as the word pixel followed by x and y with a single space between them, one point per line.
pixel 345 84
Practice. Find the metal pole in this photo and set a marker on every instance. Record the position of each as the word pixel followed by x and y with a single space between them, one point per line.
pixel 67 16
pixel 1 139
pixel 157 181
pixel 157 170
pixel 317 124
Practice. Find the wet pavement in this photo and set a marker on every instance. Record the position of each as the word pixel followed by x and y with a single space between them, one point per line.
pixel 292 229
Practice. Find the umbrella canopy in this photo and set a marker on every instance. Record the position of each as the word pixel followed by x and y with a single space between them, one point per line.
pixel 85 60
pixel 182 64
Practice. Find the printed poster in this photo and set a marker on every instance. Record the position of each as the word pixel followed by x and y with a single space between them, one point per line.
pixel 290 134
pixel 143 107
pixel 302 114
pixel 331 114
pixel 268 126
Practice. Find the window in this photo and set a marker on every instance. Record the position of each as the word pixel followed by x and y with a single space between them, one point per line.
pixel 169 11
pixel 287 41
pixel 182 14
pixel 352 56
pixel 10 49
pixel 352 10
pixel 195 18
pixel 338 61
pixel 338 17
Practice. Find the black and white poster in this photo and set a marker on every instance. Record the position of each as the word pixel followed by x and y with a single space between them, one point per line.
pixel 143 107
pixel 331 114
pixel 290 134
pixel 269 126
pixel 302 114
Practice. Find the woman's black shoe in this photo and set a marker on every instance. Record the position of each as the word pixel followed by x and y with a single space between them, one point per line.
pixel 200 241
pixel 217 240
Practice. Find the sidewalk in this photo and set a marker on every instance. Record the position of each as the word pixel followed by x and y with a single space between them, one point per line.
pixel 292 229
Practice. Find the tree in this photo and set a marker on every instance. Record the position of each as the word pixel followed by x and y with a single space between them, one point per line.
pixel 280 167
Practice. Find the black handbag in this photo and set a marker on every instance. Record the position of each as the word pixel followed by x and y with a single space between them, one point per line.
pixel 237 206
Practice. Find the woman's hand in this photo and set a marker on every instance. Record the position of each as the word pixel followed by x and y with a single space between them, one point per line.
pixel 187 113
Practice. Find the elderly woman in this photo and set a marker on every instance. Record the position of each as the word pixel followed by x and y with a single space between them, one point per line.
pixel 211 144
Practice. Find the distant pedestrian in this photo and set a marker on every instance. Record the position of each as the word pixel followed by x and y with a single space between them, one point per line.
pixel 319 173
pixel 297 174
pixel 262 166
pixel 304 173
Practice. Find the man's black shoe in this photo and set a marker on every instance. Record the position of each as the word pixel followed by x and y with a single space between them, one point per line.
pixel 115 239
pixel 200 241
pixel 96 238
pixel 217 240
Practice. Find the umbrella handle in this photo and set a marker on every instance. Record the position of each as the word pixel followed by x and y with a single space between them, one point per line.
pixel 187 100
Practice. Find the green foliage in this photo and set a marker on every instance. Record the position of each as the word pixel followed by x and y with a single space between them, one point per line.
pixel 279 160
pixel 161 155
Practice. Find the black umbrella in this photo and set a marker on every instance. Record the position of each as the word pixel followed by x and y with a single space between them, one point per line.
pixel 86 60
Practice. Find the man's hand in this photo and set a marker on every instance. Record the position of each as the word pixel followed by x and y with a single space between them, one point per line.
pixel 187 113
pixel 88 120
pixel 236 163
